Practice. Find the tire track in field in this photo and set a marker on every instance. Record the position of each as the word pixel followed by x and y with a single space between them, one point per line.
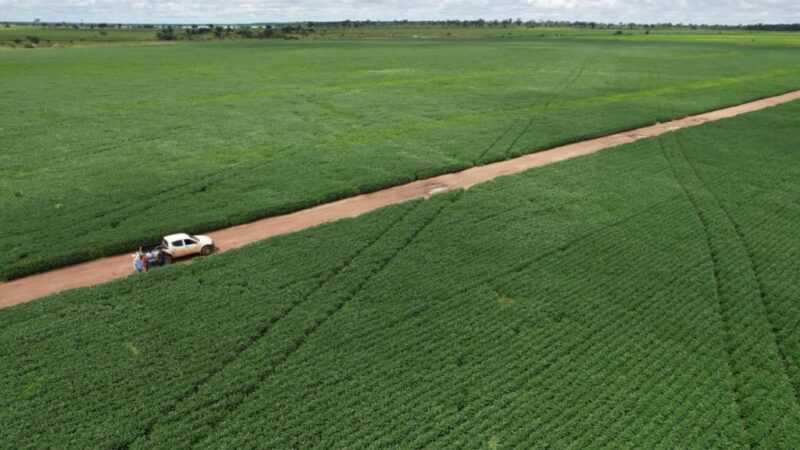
pixel 329 314
pixel 146 202
pixel 568 354
pixel 100 148
pixel 559 248
pixel 748 252
pixel 574 76
pixel 173 191
pixel 570 82
pixel 261 333
pixel 762 385
pixel 331 109
pixel 546 367
pixel 750 266
pixel 480 157
pixel 489 285
pixel 138 140
pixel 712 255
pixel 507 353
pixel 571 78
pixel 496 385
pixel 655 78
pixel 202 181
pixel 601 404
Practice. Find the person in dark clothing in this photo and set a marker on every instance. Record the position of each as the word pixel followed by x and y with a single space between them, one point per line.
pixel 162 258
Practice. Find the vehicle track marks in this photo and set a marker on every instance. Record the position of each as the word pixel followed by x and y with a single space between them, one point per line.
pixel 480 157
pixel 712 255
pixel 260 334
pixel 750 265
pixel 522 266
pixel 329 314
pixel 574 76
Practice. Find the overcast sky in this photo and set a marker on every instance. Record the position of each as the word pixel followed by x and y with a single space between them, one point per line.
pixel 243 11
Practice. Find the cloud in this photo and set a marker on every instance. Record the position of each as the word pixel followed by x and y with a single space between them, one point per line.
pixel 242 11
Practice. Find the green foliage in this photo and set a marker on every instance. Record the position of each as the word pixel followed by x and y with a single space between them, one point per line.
pixel 245 33
pixel 642 297
pixel 196 137
pixel 166 34
pixel 66 34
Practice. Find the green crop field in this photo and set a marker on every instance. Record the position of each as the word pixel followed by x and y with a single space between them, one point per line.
pixel 642 297
pixel 634 34
pixel 96 35
pixel 107 148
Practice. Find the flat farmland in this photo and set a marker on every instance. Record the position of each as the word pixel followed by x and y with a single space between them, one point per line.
pixel 105 149
pixel 64 35
pixel 644 296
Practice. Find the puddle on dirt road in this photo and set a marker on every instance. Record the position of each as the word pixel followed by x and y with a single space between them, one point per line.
pixel 437 189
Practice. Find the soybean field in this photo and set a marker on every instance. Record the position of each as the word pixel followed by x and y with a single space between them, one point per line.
pixel 108 148
pixel 644 297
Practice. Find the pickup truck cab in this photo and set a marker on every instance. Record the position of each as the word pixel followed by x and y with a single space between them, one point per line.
pixel 181 245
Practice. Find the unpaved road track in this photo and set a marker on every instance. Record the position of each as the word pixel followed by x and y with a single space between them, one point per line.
pixel 106 269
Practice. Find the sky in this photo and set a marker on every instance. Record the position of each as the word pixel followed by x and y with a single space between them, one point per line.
pixel 245 11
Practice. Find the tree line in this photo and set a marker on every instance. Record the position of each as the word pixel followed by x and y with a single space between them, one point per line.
pixel 171 33
pixel 301 29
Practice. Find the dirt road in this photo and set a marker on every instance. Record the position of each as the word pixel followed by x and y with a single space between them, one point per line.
pixel 106 269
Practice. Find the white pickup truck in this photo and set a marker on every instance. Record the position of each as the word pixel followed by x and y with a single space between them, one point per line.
pixel 181 245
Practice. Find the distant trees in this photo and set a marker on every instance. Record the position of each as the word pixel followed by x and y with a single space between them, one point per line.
pixel 190 32
pixel 301 29
pixel 166 34
pixel 509 23
pixel 297 30
pixel 773 27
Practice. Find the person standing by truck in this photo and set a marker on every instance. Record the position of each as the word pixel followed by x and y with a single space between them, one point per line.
pixel 162 257
pixel 152 258
pixel 138 266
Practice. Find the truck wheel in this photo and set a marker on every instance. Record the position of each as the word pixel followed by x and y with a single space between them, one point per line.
pixel 205 251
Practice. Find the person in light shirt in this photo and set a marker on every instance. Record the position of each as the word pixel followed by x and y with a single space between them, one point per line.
pixel 138 265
